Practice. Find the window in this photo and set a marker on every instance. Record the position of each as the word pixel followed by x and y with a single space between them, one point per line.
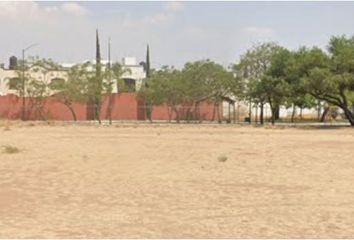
pixel 56 83
pixel 14 83
pixel 128 85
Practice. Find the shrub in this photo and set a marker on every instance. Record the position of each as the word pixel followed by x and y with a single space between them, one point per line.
pixel 222 158
pixel 10 149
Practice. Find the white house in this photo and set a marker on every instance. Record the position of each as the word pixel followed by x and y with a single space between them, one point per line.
pixel 135 73
pixel 9 77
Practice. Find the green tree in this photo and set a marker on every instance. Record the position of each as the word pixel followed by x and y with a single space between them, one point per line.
pixel 27 85
pixel 213 82
pixel 152 92
pixel 172 90
pixel 75 88
pixel 37 91
pixel 298 65
pixel 111 78
pixel 251 69
pixel 331 77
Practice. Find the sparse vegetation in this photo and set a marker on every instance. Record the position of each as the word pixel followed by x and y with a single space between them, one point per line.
pixel 222 158
pixel 194 166
pixel 8 149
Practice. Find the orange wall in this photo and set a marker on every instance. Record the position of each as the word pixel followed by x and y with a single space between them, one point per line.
pixel 125 106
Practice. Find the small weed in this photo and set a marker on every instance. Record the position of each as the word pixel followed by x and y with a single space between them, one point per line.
pixel 222 158
pixel 10 149
pixel 50 123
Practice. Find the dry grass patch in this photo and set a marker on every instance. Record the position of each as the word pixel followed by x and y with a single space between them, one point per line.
pixel 8 149
pixel 222 158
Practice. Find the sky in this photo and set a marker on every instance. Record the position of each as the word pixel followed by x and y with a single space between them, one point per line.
pixel 177 32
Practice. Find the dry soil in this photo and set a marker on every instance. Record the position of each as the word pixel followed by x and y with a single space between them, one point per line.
pixel 176 181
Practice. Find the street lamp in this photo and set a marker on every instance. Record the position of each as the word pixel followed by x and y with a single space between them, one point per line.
pixel 23 80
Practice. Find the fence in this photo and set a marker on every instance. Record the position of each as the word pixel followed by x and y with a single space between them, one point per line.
pixel 126 106
pixel 122 106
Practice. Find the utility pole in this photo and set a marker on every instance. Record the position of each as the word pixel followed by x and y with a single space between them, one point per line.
pixel 110 81
pixel 147 61
pixel 23 81
pixel 148 105
pixel 98 84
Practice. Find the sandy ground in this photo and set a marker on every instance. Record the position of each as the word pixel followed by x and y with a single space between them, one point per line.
pixel 166 181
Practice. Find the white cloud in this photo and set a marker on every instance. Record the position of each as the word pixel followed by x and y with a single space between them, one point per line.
pixel 31 22
pixel 32 10
pixel 74 9
pixel 166 16
pixel 159 18
pixel 174 6
pixel 14 10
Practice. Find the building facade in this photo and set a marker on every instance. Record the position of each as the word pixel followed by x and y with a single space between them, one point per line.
pixel 133 76
pixel 134 73
pixel 10 78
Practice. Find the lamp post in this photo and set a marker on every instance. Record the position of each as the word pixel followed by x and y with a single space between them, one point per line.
pixel 23 81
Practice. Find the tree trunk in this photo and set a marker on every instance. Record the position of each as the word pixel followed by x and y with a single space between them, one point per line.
pixel 218 111
pixel 169 112
pixel 148 110
pixel 214 109
pixel 343 104
pixel 274 112
pixel 238 112
pixel 250 112
pixel 349 115
pixel 188 114
pixel 177 114
pixel 40 110
pixel 197 112
pixel 97 110
pixel 234 112
pixel 72 111
pixel 229 120
pixel 324 114
pixel 277 113
pixel 261 117
pixel 110 109
pixel 97 113
pixel 293 113
pixel 319 110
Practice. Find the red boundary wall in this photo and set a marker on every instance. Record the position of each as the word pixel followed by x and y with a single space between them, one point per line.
pixel 125 106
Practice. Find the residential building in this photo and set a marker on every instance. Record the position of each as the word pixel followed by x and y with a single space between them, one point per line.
pixel 133 76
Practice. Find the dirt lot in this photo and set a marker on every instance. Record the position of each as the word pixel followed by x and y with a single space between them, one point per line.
pixel 184 181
